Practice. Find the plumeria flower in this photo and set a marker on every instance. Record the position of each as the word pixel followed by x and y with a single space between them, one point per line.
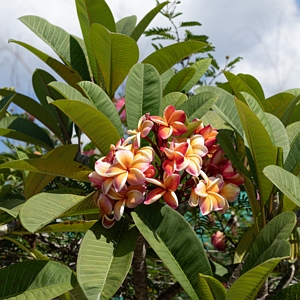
pixel 144 127
pixel 172 122
pixel 166 190
pixel 98 176
pixel 106 208
pixel 128 168
pixel 209 134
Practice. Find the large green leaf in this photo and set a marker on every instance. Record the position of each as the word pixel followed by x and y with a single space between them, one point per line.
pixel 126 25
pixel 198 105
pixel 143 93
pixel 143 24
pixel 35 182
pixel 210 288
pixel 271 241
pixel 201 67
pixel 247 286
pixel 68 74
pixel 254 84
pixel 92 122
pixel 259 112
pixel 291 292
pixel 289 111
pixel 43 208
pixel 11 206
pixel 103 103
pixel 166 76
pixel 115 54
pixel 176 99
pixel 51 166
pixel 175 242
pixel 167 57
pixel 260 145
pixel 105 257
pixel 179 81
pixel 89 12
pixel 26 131
pixel 287 182
pixel 63 44
pixel 224 107
pixel 38 279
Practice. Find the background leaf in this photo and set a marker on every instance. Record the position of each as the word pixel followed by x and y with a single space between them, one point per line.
pixel 210 288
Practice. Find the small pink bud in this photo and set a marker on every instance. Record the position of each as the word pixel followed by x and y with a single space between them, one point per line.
pixel 218 240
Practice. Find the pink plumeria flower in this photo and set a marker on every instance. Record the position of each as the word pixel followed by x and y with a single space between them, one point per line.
pixel 127 168
pixel 166 190
pixel 119 103
pixel 98 176
pixel 209 134
pixel 172 122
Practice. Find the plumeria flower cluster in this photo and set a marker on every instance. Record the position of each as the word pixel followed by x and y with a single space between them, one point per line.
pixel 182 162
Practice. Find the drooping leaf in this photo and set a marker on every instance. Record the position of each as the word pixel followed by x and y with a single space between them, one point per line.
pixel 45 207
pixel 210 288
pixel 92 122
pixel 179 248
pixel 254 84
pixel 143 24
pixel 201 67
pixel 247 286
pixel 260 145
pixel 271 241
pixel 51 166
pixel 225 107
pixel 143 93
pixel 165 58
pixel 179 81
pixel 68 74
pixel 198 105
pixel 103 103
pixel 26 131
pixel 126 25
pixel 287 182
pixel 5 103
pixel 35 182
pixel 105 257
pixel 62 43
pixel 115 54
pixel 289 111
pixel 37 279
pixel 175 98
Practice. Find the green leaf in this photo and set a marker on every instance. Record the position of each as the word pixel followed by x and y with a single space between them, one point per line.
pixel 176 99
pixel 191 23
pixel 254 84
pixel 179 81
pixel 103 103
pixel 51 166
pixel 143 93
pixel 280 137
pixel 93 125
pixel 175 242
pixel 89 12
pixel 278 103
pixel 257 109
pixel 201 67
pixel 289 111
pixel 115 54
pixel 210 288
pixel 43 208
pixel 143 24
pixel 271 241
pixel 126 25
pixel 35 182
pixel 62 43
pixel 5 103
pixel 292 162
pixel 166 76
pixel 288 183
pixel 26 131
pixel 105 257
pixel 291 292
pixel 247 286
pixel 11 206
pixel 198 105
pixel 68 74
pixel 68 226
pixel 38 279
pixel 225 107
pixel 167 57
pixel 260 145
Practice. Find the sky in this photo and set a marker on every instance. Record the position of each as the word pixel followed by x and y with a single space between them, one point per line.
pixel 265 33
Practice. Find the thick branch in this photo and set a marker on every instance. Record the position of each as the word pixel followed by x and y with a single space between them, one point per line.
pixel 139 269
pixel 9 227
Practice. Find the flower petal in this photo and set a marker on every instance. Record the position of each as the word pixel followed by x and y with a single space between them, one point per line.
pixel 134 198
pixel 124 158
pixel 108 221
pixel 171 199
pixel 120 180
pixel 172 182
pixel 194 199
pixel 205 205
pixel 165 132
pixel 230 191
pixel 154 195
pixel 119 209
pixel 135 176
